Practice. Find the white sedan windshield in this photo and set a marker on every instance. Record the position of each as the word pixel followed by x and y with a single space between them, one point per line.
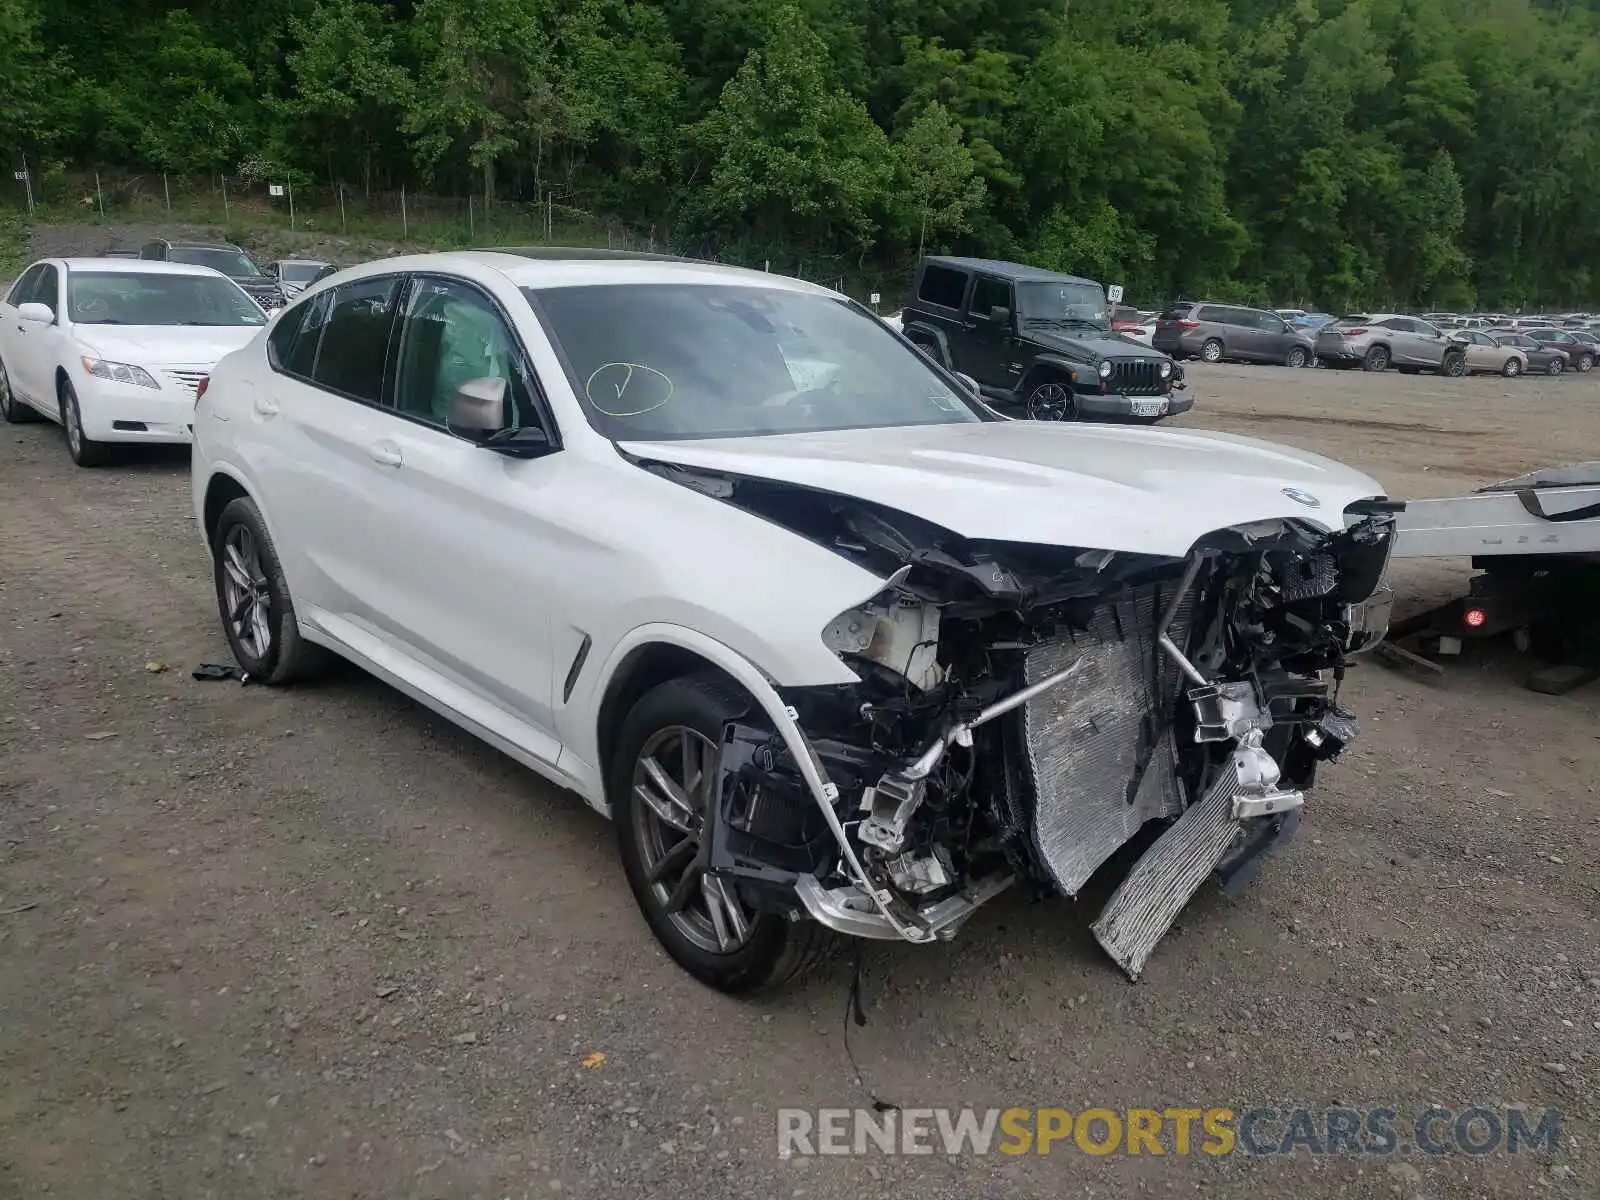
pixel 140 298
pixel 670 361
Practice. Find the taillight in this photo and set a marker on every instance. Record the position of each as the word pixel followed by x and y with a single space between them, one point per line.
pixel 1474 618
pixel 200 388
pixel 1185 324
pixel 1350 332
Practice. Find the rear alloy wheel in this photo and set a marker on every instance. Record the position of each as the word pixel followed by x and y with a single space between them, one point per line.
pixel 84 450
pixel 1455 365
pixel 1556 365
pixel 1298 357
pixel 1513 367
pixel 253 600
pixel 1052 400
pixel 1211 351
pixel 13 410
pixel 662 781
pixel 1377 359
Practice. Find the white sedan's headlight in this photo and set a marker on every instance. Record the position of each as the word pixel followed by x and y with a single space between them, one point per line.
pixel 1166 369
pixel 1105 370
pixel 119 372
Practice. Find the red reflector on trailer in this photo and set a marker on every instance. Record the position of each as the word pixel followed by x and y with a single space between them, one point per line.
pixel 1474 618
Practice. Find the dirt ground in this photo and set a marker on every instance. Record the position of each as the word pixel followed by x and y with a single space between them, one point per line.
pixel 317 943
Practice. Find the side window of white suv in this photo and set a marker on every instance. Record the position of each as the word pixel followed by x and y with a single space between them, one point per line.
pixel 453 333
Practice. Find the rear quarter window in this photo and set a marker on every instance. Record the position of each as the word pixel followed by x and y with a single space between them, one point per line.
pixel 942 286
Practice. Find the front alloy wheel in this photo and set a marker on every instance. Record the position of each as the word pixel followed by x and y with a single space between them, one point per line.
pixel 1298 357
pixel 85 451
pixel 663 781
pixel 1052 400
pixel 1556 366
pixel 1585 363
pixel 674 780
pixel 1513 367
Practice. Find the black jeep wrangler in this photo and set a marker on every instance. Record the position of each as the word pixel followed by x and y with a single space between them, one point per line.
pixel 1039 340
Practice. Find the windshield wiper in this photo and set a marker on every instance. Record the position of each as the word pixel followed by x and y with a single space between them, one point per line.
pixel 103 321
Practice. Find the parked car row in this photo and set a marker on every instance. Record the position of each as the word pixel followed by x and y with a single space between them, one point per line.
pixel 839 649
pixel 1377 341
pixel 1214 332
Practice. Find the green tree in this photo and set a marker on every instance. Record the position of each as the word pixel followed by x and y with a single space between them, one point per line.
pixel 350 90
pixel 788 154
pixel 936 175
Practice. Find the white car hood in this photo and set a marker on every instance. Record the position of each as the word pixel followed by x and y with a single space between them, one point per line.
pixel 165 345
pixel 1096 486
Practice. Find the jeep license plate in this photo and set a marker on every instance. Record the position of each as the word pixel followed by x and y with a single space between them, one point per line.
pixel 1148 408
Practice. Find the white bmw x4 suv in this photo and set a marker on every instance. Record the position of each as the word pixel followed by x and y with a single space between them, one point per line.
pixel 840 650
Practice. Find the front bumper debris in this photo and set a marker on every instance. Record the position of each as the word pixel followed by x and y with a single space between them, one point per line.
pixel 1164 879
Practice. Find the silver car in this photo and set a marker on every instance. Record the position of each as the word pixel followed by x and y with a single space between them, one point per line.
pixel 1378 341
pixel 294 275
pixel 1485 354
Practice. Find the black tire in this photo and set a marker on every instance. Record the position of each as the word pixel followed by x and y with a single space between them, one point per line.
pixel 1512 368
pixel 1585 364
pixel 1297 357
pixel 1377 359
pixel 776 949
pixel 1211 350
pixel 1556 365
pixel 287 657
pixel 1454 365
pixel 13 410
pixel 84 451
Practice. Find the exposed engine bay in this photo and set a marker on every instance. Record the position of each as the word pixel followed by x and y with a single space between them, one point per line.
pixel 1024 712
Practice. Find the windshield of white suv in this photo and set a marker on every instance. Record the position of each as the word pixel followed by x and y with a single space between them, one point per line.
pixel 235 264
pixel 1063 304
pixel 683 361
pixel 140 298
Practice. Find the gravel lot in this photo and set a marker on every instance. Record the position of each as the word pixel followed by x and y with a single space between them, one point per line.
pixel 317 943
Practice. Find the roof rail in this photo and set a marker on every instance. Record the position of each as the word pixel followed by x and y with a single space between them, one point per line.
pixel 570 253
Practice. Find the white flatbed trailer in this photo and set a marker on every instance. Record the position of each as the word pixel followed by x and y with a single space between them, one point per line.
pixel 1536 541
pixel 1554 511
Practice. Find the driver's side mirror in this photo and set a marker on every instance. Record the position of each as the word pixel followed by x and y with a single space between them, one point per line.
pixel 36 313
pixel 271 269
pixel 1000 315
pixel 478 409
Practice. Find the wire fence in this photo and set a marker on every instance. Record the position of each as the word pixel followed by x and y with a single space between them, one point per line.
pixel 254 201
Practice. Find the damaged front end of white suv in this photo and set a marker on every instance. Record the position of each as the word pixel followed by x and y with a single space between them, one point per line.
pixel 1025 711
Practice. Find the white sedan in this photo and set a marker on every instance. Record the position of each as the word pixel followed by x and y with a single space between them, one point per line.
pixel 115 349
pixel 839 650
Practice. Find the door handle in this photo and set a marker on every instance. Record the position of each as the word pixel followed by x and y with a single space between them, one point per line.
pixel 386 453
pixel 266 407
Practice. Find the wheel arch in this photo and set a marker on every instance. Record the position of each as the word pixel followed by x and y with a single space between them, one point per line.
pixel 654 654
pixel 933 334
pixel 1047 364
pixel 222 489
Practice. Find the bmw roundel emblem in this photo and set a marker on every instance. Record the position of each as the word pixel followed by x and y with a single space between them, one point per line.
pixel 1300 497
